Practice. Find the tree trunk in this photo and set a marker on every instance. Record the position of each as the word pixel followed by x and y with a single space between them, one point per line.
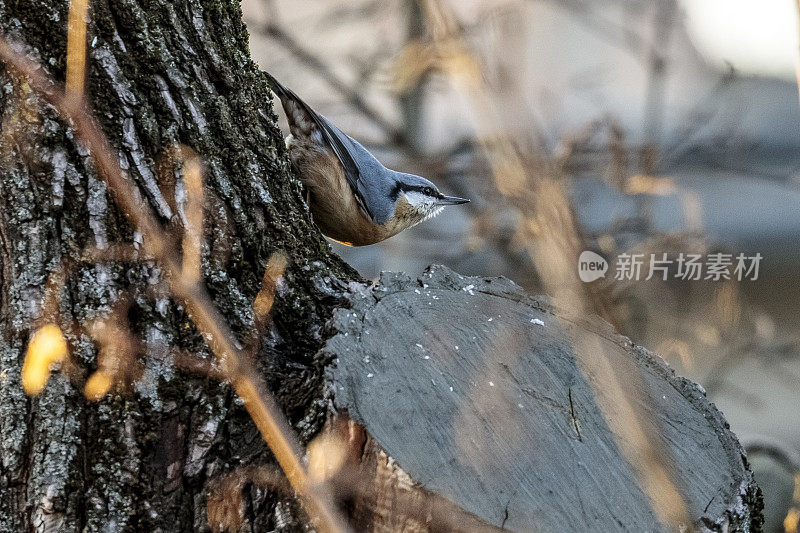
pixel 143 458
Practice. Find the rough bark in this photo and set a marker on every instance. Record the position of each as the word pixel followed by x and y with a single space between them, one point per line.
pixel 160 73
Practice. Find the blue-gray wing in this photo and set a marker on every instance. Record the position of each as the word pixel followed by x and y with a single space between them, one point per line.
pixel 343 146
pixel 340 143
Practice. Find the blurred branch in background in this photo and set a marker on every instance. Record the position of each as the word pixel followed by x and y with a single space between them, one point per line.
pixel 797 57
pixel 663 22
pixel 617 34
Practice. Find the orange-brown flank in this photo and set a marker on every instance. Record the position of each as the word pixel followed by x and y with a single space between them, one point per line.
pixel 333 205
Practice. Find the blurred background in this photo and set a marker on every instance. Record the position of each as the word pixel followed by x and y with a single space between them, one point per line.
pixel 617 126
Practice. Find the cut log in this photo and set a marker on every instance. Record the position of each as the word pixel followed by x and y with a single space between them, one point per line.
pixel 472 387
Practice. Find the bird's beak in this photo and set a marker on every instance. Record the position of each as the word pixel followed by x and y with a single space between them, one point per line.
pixel 452 200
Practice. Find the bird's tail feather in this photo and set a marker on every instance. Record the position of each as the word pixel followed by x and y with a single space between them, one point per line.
pixel 276 86
pixel 300 116
pixel 305 122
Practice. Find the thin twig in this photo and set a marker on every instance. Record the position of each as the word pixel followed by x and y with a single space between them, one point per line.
pixel 76 47
pixel 193 232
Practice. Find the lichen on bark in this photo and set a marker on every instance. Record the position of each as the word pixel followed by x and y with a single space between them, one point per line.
pixel 160 74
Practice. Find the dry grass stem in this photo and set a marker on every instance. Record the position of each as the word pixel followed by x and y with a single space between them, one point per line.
pixel 193 231
pixel 76 48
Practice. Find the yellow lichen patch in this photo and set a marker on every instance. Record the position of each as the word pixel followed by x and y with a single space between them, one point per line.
pixel 46 348
pixel 97 385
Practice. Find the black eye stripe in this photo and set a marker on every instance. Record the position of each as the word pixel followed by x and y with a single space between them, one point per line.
pixel 424 189
pixel 416 188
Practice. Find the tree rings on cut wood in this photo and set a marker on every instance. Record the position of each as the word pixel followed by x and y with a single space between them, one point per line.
pixel 473 388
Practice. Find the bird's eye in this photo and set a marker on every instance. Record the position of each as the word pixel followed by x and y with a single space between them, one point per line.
pixel 428 191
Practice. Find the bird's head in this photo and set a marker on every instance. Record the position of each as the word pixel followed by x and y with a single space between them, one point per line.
pixel 417 199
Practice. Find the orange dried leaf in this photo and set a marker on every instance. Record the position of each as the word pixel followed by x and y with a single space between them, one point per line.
pixel 97 386
pixel 46 348
pixel 275 268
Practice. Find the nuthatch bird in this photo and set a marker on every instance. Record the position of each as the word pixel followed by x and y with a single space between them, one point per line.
pixel 353 198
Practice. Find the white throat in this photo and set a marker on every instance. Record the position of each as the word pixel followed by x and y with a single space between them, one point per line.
pixel 426 206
